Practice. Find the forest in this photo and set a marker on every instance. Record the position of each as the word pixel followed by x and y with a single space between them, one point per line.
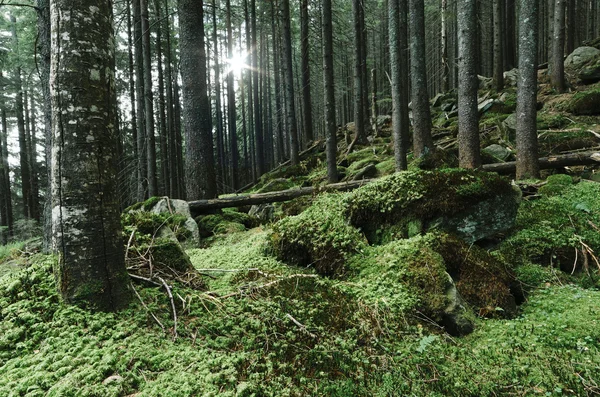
pixel 299 198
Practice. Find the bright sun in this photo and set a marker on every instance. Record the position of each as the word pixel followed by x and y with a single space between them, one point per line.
pixel 237 63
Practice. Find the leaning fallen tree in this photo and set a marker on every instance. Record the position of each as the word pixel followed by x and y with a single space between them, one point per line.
pixel 550 162
pixel 201 206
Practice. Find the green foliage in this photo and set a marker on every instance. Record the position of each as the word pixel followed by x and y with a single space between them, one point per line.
pixel 556 184
pixel 227 221
pixel 319 237
pixel 548 120
pixel 556 229
pixel 583 102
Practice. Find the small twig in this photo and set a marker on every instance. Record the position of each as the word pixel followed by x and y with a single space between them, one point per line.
pixel 250 289
pixel 135 276
pixel 129 242
pixel 147 309
pixel 164 283
pixel 575 263
pixel 301 326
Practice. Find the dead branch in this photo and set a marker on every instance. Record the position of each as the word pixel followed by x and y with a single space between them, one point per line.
pixel 147 309
pixel 164 283
pixel 301 326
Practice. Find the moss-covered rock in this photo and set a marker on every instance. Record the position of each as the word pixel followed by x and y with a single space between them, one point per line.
pixel 319 237
pixel 551 142
pixel 559 229
pixel 556 184
pixel 227 221
pixel 584 103
pixel 472 204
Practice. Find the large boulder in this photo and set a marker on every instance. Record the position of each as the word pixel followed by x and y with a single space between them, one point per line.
pixel 580 56
pixel 165 205
pixel 590 72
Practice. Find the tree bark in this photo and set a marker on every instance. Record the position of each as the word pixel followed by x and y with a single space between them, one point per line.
pixel 6 214
pixel 305 55
pixel 557 68
pixel 422 141
pixel 444 47
pixel 276 76
pixel 551 162
pixel 199 158
pixel 231 105
pixel 139 79
pixel 526 135
pixel 498 46
pixel 221 166
pixel 398 30
pixel 162 118
pixel 289 82
pixel 148 100
pixel 85 211
pixel 468 116
pixel 258 133
pixel 359 114
pixel 329 92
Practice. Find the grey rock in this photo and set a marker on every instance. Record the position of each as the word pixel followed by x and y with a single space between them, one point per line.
pixel 511 77
pixel 590 72
pixel 456 318
pixel 580 56
pixel 264 212
pixel 511 122
pixel 498 151
pixel 483 219
pixel 181 207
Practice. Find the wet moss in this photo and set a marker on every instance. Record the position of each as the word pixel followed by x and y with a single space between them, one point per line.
pixel 227 221
pixel 319 237
pixel 584 103
pixel 408 196
pixel 556 184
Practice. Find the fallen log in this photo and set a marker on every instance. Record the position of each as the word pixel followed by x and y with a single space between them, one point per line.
pixel 558 161
pixel 200 206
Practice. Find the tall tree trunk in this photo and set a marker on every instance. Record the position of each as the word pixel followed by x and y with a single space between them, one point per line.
pixel 231 105
pixel 43 50
pixel 444 47
pixel 199 158
pixel 132 100
pixel 557 70
pixel 289 82
pixel 32 146
pixel 148 100
pixel 171 141
pixel 250 77
pixel 180 160
pixel 6 215
pixel 571 25
pixel 23 150
pixel 86 212
pixel 164 163
pixel 306 97
pixel 422 141
pixel 329 92
pixel 258 133
pixel 498 46
pixel 509 31
pixel 139 80
pixel 468 116
pixel 359 114
pixel 277 81
pixel 398 29
pixel 527 139
pixel 221 166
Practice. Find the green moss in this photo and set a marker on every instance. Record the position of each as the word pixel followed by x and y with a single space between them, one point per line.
pixel 228 221
pixel 584 102
pixel 276 185
pixel 319 237
pixel 419 195
pixel 554 230
pixel 556 184
pixel 547 121
pixel 551 142
pixel 145 225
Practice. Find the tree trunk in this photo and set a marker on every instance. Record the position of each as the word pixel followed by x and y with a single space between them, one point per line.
pixel 359 114
pixel 398 29
pixel 289 82
pixel 231 105
pixel 527 144
pixel 468 116
pixel 199 158
pixel 163 134
pixel 258 133
pixel 85 212
pixel 277 81
pixel 148 100
pixel 6 214
pixel 139 79
pixel 43 50
pixel 498 46
pixel 557 69
pixel 329 92
pixel 306 97
pixel 422 142
pixel 250 77
pixel 221 166
pixel 132 100
pixel 571 25
pixel 444 47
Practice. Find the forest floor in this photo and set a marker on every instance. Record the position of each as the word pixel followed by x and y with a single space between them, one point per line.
pixel 258 326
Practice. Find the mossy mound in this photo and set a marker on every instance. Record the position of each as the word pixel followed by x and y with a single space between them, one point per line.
pixel 562 229
pixel 319 237
pixel 552 142
pixel 227 221
pixel 556 184
pixel 485 282
pixel 277 184
pixel 414 201
pixel 584 103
